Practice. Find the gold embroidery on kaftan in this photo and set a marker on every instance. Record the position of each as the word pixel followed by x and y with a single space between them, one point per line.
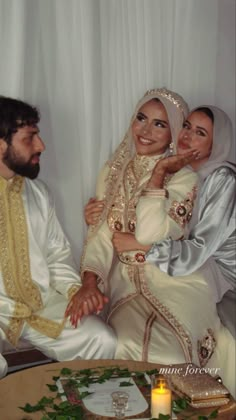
pixel 21 310
pixel 13 331
pixel 174 324
pixel 15 264
pixel 147 336
pixel 14 252
pixel 136 259
pixel 206 347
pixel 122 212
pixel 181 212
pixel 115 214
pixel 46 326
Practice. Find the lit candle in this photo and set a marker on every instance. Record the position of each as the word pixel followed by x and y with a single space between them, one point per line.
pixel 161 401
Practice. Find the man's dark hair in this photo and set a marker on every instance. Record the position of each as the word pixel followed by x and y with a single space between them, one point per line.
pixel 15 114
pixel 206 111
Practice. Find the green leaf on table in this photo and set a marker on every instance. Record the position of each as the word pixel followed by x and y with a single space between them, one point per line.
pixel 125 383
pixel 66 371
pixel 73 383
pixel 202 417
pixel 64 405
pixel 84 394
pixel 179 405
pixel 107 374
pixel 214 414
pixel 52 387
pixel 142 382
pixel 139 374
pixel 152 372
pixel 55 378
pixel 123 373
pixel 82 382
pixel 28 408
pixel 62 417
pixel 87 372
pixel 46 401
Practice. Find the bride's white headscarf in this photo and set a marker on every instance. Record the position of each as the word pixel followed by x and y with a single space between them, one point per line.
pixel 177 110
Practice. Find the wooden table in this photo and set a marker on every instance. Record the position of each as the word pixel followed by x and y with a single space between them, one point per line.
pixel 28 386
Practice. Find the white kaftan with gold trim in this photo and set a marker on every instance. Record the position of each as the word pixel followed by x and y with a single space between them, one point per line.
pixel 156 317
pixel 38 277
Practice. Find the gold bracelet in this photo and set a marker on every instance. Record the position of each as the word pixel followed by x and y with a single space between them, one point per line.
pixel 157 193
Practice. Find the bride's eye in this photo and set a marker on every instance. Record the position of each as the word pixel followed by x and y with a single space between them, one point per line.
pixel 140 117
pixel 159 124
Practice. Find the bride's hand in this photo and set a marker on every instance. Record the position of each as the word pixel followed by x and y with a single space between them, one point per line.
pixel 124 242
pixel 93 210
pixel 170 165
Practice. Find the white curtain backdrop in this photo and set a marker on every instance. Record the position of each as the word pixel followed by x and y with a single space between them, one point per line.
pixel 85 63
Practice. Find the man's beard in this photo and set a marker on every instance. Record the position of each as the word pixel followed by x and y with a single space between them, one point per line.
pixel 19 166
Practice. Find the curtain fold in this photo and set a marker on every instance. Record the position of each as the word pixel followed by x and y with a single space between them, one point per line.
pixel 85 63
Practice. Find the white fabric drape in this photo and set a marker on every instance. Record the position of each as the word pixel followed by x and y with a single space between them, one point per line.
pixel 85 63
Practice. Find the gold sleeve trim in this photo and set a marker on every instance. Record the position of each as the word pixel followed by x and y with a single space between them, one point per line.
pixel 46 326
pixel 73 290
pixel 14 330
pixel 21 310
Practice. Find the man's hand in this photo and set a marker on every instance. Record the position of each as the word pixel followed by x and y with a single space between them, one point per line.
pixel 124 242
pixel 88 300
pixel 93 210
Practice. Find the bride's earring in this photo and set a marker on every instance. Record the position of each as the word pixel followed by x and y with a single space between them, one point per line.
pixel 171 148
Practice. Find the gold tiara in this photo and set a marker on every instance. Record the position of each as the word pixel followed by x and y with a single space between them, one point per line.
pixel 173 97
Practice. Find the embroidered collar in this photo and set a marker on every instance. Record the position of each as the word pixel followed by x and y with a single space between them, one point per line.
pixel 14 184
pixel 143 164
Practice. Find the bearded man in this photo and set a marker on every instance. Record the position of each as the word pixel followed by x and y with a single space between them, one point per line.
pixel 41 296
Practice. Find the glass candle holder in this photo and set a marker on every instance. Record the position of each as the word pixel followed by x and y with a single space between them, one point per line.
pixel 160 396
pixel 120 403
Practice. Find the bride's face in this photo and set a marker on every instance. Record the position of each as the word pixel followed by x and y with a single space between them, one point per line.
pixel 151 130
pixel 197 133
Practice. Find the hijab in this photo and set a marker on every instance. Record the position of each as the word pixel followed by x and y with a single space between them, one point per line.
pixel 222 142
pixel 220 152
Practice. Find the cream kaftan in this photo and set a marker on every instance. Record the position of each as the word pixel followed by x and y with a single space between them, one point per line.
pixel 156 317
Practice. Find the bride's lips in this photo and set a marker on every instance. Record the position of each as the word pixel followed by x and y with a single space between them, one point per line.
pixel 145 142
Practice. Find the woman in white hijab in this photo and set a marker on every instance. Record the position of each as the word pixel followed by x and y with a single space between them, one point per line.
pixel 212 235
pixel 156 317
pixel 210 247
